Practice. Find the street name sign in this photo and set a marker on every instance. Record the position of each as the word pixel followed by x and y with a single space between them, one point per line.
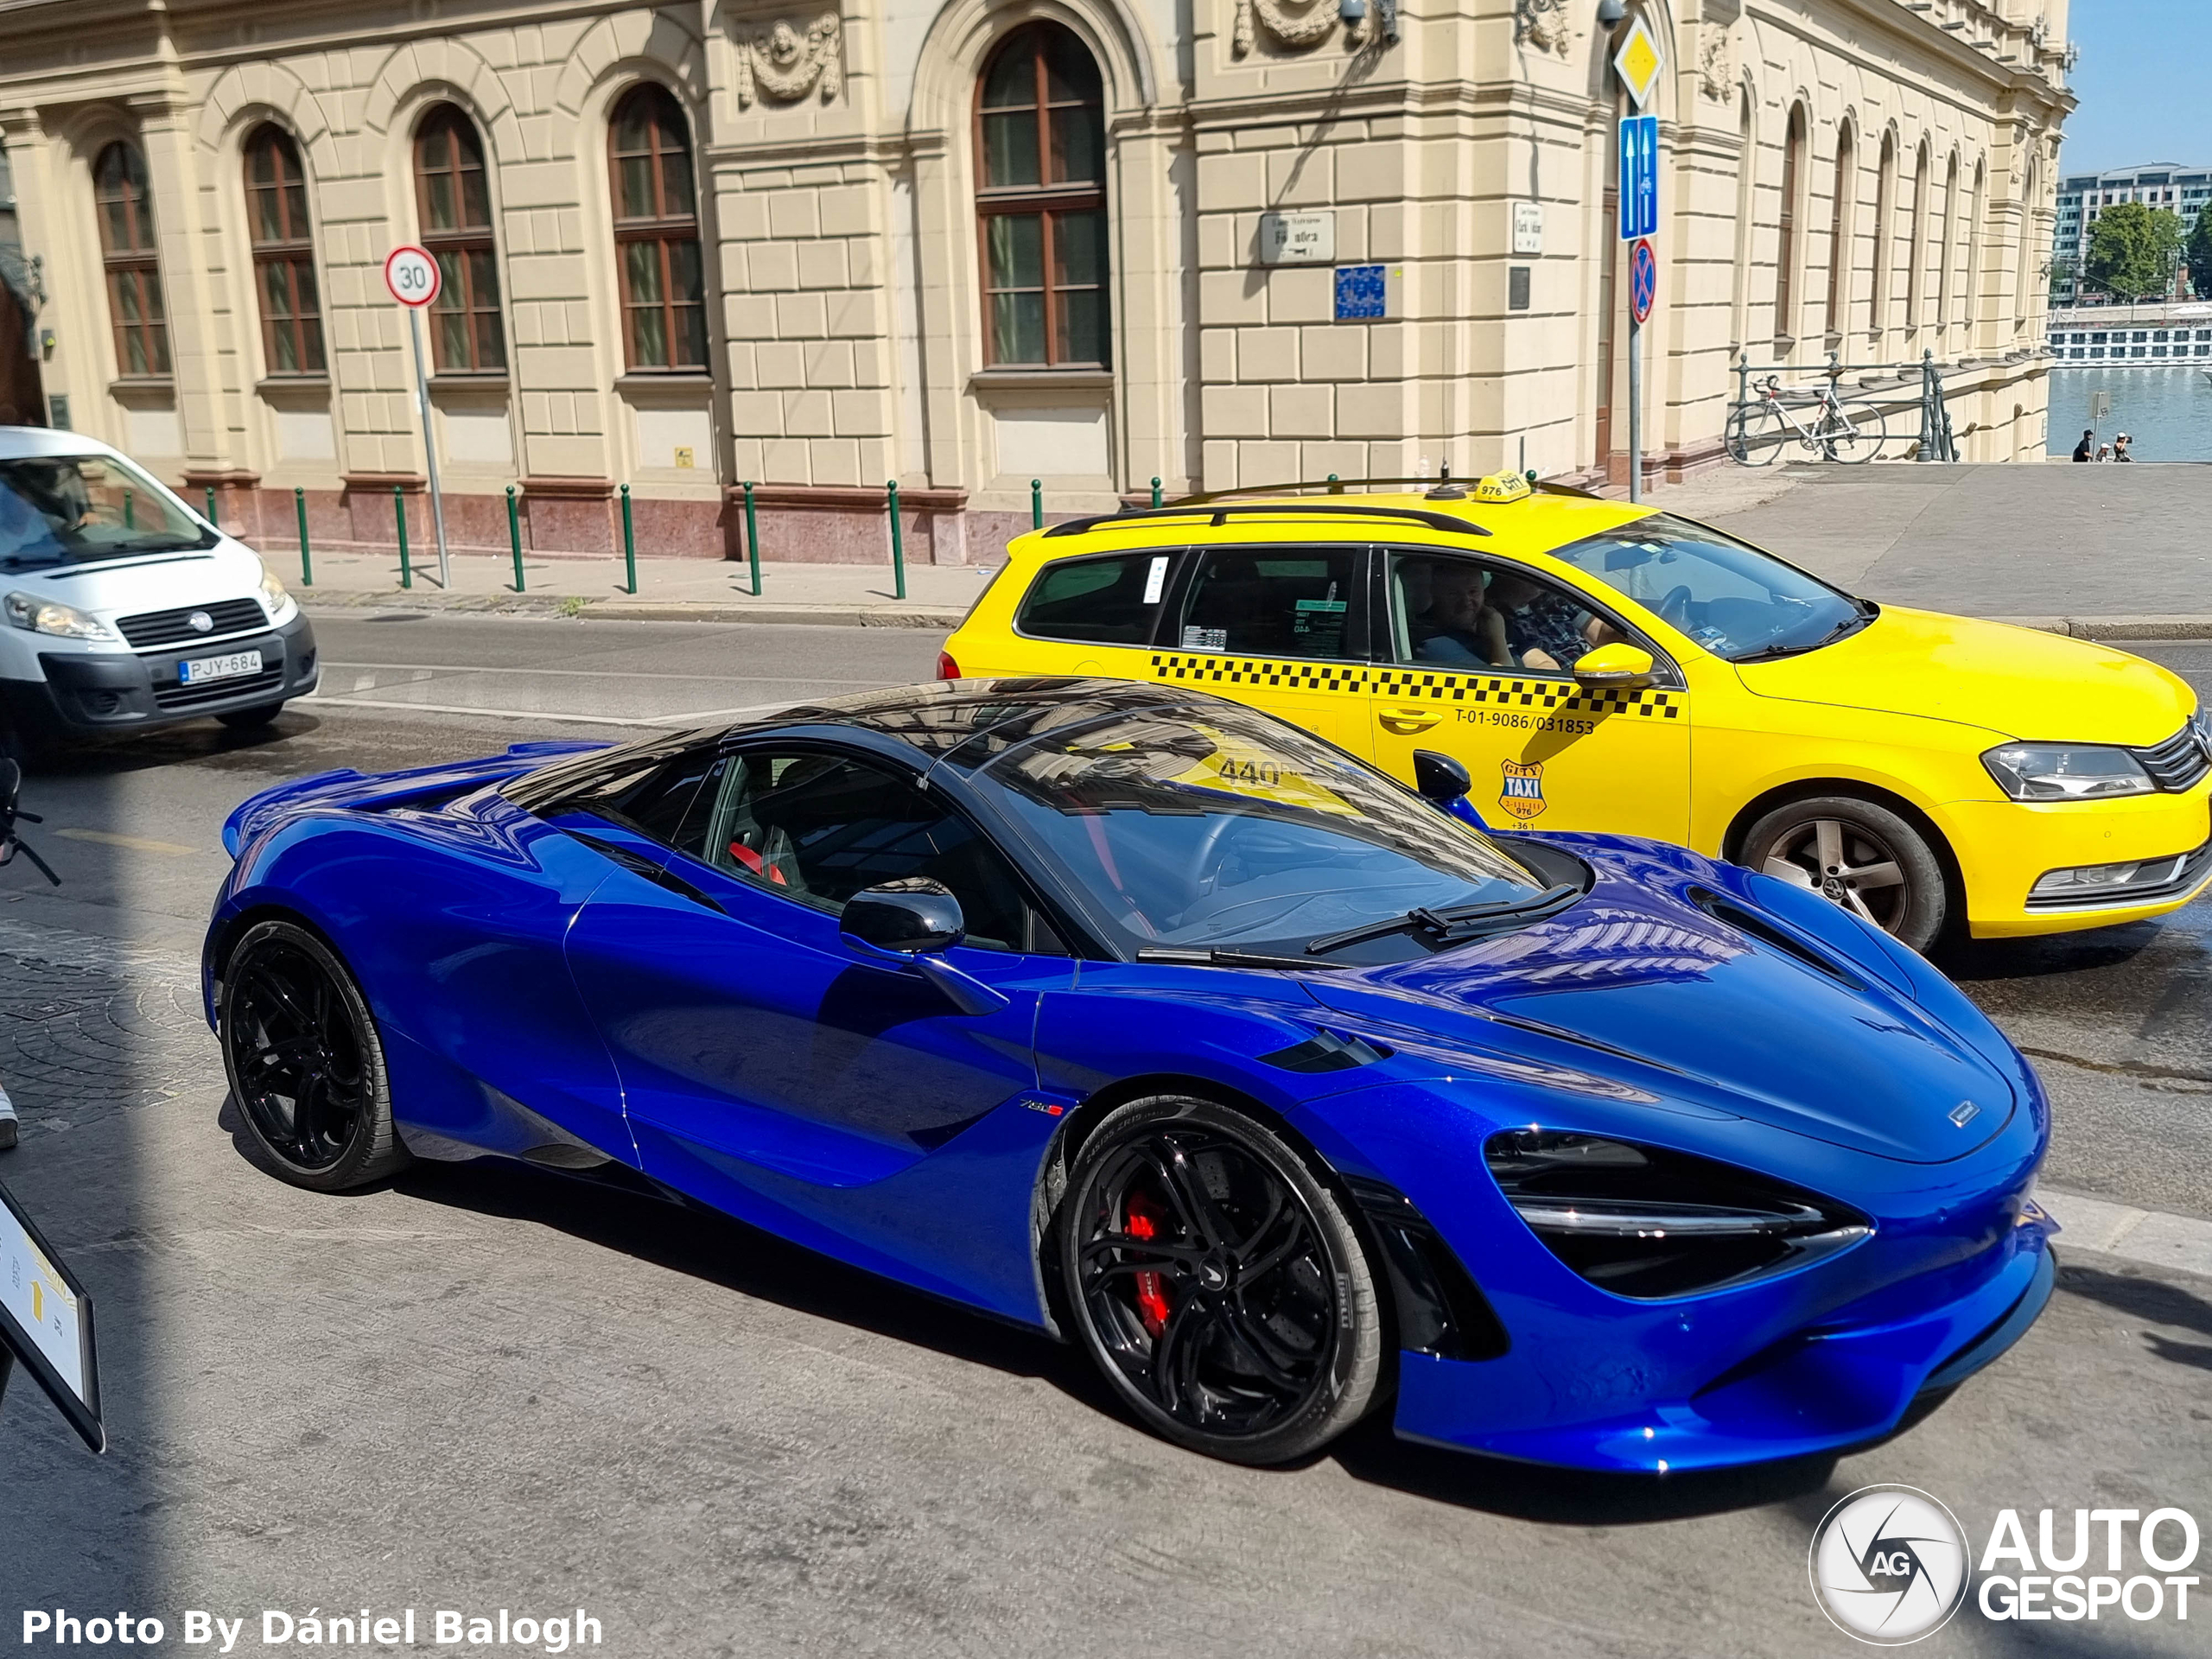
pixel 1298 238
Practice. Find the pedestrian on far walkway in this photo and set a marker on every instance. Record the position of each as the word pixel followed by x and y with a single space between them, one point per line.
pixel 2120 451
pixel 2087 449
pixel 2104 452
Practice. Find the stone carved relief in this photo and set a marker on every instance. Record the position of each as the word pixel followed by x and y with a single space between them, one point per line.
pixel 787 65
pixel 1542 25
pixel 1716 63
pixel 1300 25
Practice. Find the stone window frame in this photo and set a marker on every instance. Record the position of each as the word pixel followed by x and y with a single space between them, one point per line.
pixel 1796 139
pixel 1049 200
pixel 130 261
pixel 283 254
pixel 468 252
pixel 687 351
pixel 1843 214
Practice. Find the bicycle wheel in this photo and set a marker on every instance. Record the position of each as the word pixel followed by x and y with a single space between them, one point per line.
pixel 1756 435
pixel 1854 433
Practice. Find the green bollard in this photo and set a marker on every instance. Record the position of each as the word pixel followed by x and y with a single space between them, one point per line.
pixel 211 508
pixel 399 510
pixel 514 534
pixel 307 560
pixel 1036 504
pixel 898 545
pixel 629 543
pixel 130 516
pixel 753 538
pixel 1155 491
pixel 1334 490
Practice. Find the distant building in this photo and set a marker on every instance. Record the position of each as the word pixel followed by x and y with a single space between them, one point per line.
pixel 2138 336
pixel 2183 190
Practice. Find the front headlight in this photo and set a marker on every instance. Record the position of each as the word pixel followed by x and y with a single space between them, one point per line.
pixel 2066 771
pixel 51 616
pixel 273 593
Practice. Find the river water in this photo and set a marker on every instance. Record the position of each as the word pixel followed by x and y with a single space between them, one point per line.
pixel 2167 412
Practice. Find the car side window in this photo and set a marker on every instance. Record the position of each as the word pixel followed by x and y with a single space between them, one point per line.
pixel 1107 602
pixel 820 827
pixel 654 798
pixel 1447 611
pixel 1270 601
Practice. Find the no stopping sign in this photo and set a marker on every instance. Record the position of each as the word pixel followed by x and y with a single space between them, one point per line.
pixel 412 276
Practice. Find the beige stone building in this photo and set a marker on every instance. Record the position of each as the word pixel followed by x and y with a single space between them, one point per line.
pixel 965 246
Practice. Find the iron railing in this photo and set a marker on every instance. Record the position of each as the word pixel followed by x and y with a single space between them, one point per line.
pixel 1913 389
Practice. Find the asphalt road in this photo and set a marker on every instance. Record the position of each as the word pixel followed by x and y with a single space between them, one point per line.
pixel 480 1388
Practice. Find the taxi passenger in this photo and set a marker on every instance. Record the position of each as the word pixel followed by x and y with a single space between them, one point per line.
pixel 1457 625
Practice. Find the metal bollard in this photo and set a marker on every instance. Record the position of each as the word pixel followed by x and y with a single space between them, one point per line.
pixel 898 544
pixel 211 508
pixel 629 543
pixel 399 510
pixel 1036 504
pixel 751 538
pixel 1155 491
pixel 1334 490
pixel 130 516
pixel 307 561
pixel 514 534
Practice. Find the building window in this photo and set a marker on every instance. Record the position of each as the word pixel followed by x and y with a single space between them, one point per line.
pixel 283 254
pixel 1040 204
pixel 1793 159
pixel 657 233
pixel 1839 227
pixel 134 276
pixel 454 202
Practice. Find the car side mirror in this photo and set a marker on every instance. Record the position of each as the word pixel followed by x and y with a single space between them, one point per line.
pixel 1621 667
pixel 1440 777
pixel 909 917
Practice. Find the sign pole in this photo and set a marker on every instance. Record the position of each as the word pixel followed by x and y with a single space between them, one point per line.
pixel 430 449
pixel 1635 408
pixel 1639 63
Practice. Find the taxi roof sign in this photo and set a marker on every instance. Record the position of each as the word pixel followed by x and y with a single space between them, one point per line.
pixel 1639 62
pixel 1503 486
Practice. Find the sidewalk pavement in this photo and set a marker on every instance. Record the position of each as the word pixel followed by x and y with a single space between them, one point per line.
pixel 2103 552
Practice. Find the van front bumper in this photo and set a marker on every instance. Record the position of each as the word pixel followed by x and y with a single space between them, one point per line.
pixel 2006 848
pixel 83 694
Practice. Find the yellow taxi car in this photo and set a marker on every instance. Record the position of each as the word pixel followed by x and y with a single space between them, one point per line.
pixel 1599 666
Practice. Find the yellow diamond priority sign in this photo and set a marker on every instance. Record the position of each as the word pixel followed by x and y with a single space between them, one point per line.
pixel 1639 63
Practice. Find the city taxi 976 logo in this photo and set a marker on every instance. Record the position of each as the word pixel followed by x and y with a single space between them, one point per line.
pixel 1890 1565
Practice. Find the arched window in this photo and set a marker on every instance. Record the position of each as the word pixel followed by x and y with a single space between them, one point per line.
pixel 1945 286
pixel 1785 261
pixel 2024 268
pixel 1916 302
pixel 1040 200
pixel 284 253
pixel 1841 228
pixel 454 205
pixel 1970 296
pixel 662 278
pixel 134 276
pixel 1877 302
pixel 1747 164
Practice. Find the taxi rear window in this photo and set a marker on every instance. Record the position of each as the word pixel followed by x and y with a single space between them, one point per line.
pixel 1111 600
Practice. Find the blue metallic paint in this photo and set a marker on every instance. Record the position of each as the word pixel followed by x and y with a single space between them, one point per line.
pixel 750 1060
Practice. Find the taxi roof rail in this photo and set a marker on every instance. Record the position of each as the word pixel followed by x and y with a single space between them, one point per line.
pixel 1216 513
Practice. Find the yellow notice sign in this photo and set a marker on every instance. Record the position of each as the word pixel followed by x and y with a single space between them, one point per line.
pixel 1639 62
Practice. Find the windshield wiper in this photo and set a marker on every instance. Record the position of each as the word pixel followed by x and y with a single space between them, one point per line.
pixel 1858 620
pixel 1210 958
pixel 1451 923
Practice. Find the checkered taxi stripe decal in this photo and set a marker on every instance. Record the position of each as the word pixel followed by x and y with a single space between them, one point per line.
pixel 1414 685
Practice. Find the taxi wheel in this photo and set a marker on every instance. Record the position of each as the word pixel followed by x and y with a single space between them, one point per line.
pixel 1861 855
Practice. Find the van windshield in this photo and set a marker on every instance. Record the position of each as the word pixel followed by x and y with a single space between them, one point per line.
pixel 77 509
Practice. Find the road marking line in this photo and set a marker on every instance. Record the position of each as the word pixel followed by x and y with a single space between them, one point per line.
pixel 324 700
pixel 134 843
pixel 2147 1236
pixel 609 673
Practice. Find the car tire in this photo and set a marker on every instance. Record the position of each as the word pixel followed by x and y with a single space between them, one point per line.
pixel 1258 1339
pixel 250 720
pixel 306 1065
pixel 1859 855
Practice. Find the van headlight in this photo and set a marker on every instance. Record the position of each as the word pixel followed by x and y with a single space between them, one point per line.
pixel 2066 771
pixel 274 593
pixel 51 616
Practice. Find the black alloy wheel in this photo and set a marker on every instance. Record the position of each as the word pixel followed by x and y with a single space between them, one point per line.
pixel 306 1065
pixel 1858 855
pixel 1218 1286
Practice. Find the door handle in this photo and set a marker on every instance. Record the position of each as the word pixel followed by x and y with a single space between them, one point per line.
pixel 1404 722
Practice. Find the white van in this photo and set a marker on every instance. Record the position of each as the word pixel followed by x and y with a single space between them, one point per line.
pixel 121 607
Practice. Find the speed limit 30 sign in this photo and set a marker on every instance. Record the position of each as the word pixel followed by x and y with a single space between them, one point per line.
pixel 412 276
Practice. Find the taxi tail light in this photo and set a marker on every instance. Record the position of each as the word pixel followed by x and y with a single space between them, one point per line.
pixel 1644 1222
pixel 946 668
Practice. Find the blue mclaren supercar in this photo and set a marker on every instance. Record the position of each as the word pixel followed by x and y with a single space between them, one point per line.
pixel 1130 1014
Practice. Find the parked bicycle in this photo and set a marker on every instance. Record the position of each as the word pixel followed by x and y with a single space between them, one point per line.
pixel 1833 430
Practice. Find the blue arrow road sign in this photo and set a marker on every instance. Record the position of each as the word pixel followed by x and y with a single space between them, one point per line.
pixel 1639 187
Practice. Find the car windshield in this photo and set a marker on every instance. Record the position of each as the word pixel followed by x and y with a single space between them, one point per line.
pixel 74 508
pixel 1739 603
pixel 1225 830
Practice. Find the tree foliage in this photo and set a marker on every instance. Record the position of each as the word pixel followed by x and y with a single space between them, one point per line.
pixel 2132 249
pixel 2200 256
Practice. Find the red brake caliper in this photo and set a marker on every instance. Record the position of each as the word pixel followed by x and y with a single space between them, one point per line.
pixel 1151 1300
